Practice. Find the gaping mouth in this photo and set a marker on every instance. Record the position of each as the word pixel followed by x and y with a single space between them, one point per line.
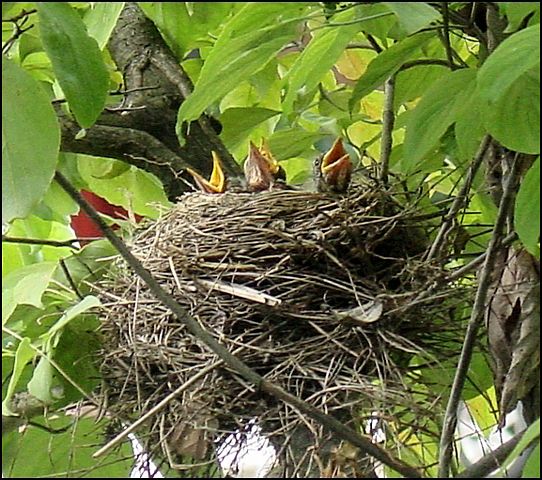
pixel 217 181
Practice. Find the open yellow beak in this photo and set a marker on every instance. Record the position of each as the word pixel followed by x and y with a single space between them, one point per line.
pixel 217 181
pixel 336 168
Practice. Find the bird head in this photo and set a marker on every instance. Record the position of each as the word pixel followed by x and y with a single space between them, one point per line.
pixel 262 171
pixel 217 181
pixel 334 169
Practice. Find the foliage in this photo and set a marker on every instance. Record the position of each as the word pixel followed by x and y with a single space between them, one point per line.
pixel 299 74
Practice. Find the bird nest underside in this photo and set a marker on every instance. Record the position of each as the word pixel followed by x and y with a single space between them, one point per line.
pixel 318 294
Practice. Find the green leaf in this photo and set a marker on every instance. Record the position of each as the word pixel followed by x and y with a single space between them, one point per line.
pixel 135 190
pixel 42 381
pixel 36 453
pixel 469 129
pixel 73 312
pixel 518 54
pixel 413 16
pixel 527 213
pixel 252 37
pixel 77 60
pixel 532 433
pixel 436 111
pixel 182 24
pixel 319 56
pixel 514 118
pixel 238 123
pixel 292 142
pixel 25 286
pixel 101 19
pixel 532 465
pixel 24 354
pixel 508 85
pixel 517 11
pixel 27 166
pixel 386 64
pixel 414 82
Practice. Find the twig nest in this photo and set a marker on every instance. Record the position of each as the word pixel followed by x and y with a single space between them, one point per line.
pixel 314 292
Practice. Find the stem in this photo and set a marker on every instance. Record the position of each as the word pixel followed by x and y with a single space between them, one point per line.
pixel 388 121
pixel 446 35
pixel 222 352
pixel 39 241
pixel 459 201
pixel 477 316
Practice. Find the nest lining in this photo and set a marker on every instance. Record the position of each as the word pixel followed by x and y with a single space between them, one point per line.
pixel 273 276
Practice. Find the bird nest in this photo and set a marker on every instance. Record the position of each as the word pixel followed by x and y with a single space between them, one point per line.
pixel 317 293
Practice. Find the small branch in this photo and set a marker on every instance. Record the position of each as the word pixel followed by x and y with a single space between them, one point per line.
pixel 19 28
pixel 223 353
pixel 459 201
pixel 473 264
pixel 159 406
pixel 372 40
pixel 38 241
pixel 171 69
pixel 446 35
pixel 494 459
pixel 477 316
pixel 388 121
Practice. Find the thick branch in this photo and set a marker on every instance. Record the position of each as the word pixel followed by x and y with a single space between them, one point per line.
pixel 233 362
pixel 135 147
pixel 141 129
pixel 477 315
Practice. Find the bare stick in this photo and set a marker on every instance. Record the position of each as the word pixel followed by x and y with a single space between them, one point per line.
pixel 477 316
pixel 329 422
pixel 459 201
pixel 40 241
pixel 388 121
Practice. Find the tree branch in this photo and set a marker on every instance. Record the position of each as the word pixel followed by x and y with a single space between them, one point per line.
pixel 446 35
pixel 459 201
pixel 388 121
pixel 141 129
pixel 233 362
pixel 39 241
pixel 477 315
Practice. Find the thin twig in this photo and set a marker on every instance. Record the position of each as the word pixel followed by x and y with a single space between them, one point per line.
pixel 109 445
pixel 446 35
pixel 473 264
pixel 372 40
pixel 222 352
pixel 459 201
pixel 388 121
pixel 40 241
pixel 477 315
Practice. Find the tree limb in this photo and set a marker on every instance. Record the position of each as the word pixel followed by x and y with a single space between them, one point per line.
pixel 477 315
pixel 233 362
pixel 141 129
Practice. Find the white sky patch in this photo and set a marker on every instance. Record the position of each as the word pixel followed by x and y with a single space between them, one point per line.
pixel 246 453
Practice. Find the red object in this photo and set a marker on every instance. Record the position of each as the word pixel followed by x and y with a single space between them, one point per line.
pixel 84 226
